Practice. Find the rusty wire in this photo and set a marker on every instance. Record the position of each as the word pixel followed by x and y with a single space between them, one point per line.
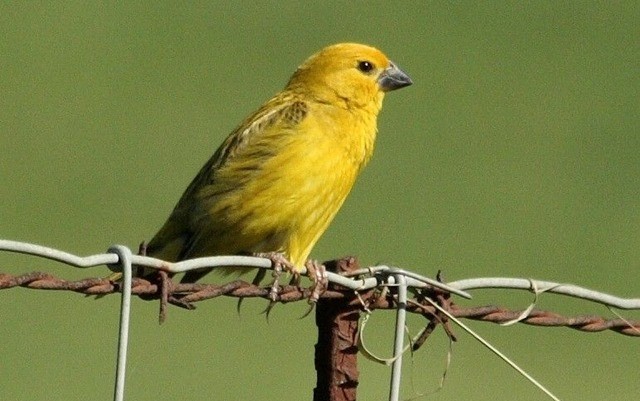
pixel 349 289
pixel 185 295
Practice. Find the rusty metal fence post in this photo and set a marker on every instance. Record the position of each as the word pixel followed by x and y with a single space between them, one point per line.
pixel 336 354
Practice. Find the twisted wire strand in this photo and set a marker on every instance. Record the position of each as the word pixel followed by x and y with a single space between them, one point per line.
pixel 185 295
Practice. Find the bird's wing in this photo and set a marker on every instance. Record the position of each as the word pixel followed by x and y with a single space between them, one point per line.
pixel 199 224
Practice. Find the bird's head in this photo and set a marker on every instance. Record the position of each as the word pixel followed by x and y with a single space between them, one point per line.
pixel 350 75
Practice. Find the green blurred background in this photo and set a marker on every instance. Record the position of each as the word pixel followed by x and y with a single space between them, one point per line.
pixel 515 153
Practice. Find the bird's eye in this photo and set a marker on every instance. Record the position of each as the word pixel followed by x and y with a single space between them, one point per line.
pixel 365 66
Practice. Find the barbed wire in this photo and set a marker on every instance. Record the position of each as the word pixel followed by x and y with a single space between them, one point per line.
pixel 355 289
pixel 357 279
pixel 185 295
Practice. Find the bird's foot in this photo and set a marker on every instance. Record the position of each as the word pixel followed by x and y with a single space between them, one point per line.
pixel 318 275
pixel 280 265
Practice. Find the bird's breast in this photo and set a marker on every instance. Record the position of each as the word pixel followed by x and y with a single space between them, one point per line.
pixel 296 185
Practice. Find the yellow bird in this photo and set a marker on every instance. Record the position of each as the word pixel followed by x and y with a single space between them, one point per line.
pixel 280 177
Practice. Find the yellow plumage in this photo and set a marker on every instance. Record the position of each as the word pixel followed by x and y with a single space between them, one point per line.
pixel 280 177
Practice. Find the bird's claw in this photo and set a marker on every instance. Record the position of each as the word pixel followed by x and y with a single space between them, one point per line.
pixel 275 286
pixel 280 264
pixel 315 271
pixel 318 275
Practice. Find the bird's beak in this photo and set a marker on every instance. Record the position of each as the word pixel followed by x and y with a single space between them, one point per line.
pixel 393 78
